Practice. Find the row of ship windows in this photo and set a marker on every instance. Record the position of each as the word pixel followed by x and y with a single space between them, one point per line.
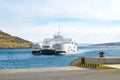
pixel 71 50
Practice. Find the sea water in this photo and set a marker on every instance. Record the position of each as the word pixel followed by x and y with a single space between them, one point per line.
pixel 23 58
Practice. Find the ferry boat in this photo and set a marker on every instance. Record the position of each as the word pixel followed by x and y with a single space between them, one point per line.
pixel 56 45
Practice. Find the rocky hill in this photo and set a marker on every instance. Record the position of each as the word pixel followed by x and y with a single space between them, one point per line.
pixel 108 44
pixel 8 41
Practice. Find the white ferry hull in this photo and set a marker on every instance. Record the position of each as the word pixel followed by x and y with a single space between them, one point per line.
pixel 55 46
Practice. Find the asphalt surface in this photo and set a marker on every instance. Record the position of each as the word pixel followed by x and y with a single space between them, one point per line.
pixel 92 74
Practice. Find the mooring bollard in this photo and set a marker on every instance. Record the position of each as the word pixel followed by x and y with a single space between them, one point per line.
pixel 101 54
pixel 83 60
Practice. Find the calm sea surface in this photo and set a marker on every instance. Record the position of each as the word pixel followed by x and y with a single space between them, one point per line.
pixel 23 58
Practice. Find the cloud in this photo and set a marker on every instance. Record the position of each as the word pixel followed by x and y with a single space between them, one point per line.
pixel 82 33
pixel 87 21
pixel 90 9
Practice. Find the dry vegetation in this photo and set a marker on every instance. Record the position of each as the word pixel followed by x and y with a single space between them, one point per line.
pixel 8 41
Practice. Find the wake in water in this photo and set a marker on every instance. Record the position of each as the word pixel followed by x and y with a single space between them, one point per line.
pixel 80 51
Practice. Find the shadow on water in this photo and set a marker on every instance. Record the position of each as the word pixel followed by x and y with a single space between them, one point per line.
pixel 50 54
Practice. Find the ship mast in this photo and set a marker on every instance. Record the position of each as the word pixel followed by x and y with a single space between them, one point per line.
pixel 58 36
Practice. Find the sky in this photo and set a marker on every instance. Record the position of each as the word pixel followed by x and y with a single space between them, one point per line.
pixel 85 21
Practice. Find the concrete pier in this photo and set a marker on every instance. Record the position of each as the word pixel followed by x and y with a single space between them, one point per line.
pixel 96 62
pixel 60 73
pixel 69 72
